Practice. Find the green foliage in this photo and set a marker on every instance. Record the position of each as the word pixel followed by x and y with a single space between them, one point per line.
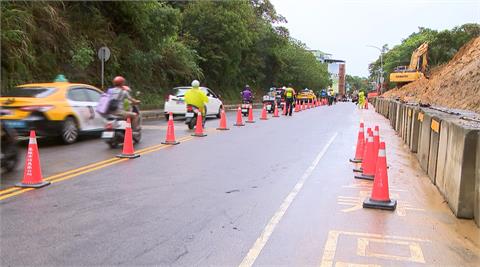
pixel 442 47
pixel 155 45
pixel 356 83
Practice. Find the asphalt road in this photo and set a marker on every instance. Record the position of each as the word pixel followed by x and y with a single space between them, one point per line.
pixel 276 192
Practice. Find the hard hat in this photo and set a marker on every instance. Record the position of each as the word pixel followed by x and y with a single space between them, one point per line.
pixel 118 81
pixel 195 83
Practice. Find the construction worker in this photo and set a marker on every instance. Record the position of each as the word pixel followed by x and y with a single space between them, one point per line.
pixel 196 97
pixel 289 99
pixel 361 99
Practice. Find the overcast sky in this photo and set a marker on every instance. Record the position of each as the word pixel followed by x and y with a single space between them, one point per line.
pixel 345 28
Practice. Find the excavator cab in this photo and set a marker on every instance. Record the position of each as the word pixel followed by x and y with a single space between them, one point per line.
pixel 402 75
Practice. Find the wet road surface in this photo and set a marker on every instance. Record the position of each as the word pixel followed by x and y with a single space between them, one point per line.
pixel 276 192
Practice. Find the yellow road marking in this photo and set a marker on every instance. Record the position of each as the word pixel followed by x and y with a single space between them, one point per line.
pixel 333 236
pixel 13 191
pixel 272 224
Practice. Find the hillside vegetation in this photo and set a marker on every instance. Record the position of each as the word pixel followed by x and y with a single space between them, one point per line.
pixel 155 44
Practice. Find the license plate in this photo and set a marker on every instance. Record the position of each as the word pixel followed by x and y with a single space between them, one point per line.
pixel 244 110
pixel 15 124
pixel 108 134
pixel 189 115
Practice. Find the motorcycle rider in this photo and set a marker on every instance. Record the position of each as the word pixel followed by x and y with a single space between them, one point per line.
pixel 196 97
pixel 246 94
pixel 121 93
pixel 289 99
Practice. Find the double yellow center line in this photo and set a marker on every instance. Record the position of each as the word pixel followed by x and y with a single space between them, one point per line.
pixel 13 191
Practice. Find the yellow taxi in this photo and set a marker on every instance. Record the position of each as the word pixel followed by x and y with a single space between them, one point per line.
pixel 60 109
pixel 306 95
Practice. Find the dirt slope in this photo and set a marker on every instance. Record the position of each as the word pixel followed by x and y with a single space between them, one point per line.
pixel 453 85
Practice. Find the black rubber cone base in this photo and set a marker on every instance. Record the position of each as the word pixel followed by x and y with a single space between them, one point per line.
pixel 128 156
pixel 356 160
pixel 39 185
pixel 263 119
pixel 250 121
pixel 237 124
pixel 223 129
pixel 171 143
pixel 275 116
pixel 383 205
pixel 364 177
pixel 199 135
pixel 358 169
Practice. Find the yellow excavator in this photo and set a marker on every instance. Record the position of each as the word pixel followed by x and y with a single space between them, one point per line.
pixel 416 70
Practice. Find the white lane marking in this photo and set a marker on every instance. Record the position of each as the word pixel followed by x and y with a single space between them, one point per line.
pixel 270 227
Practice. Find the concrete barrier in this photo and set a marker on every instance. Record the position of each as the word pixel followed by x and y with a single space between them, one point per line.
pixel 424 139
pixel 433 150
pixel 415 131
pixel 448 149
pixel 476 208
pixel 460 169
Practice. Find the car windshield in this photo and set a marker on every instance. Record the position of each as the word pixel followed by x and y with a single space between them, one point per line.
pixel 37 92
pixel 180 92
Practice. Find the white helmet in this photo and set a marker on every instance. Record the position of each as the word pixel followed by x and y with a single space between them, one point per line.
pixel 195 83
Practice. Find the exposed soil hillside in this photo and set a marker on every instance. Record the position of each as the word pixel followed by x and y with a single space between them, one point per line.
pixel 453 85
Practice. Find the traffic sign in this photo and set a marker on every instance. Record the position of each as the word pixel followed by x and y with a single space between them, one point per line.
pixel 104 53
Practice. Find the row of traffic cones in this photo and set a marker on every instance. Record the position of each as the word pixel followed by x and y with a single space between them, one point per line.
pixel 370 152
pixel 33 178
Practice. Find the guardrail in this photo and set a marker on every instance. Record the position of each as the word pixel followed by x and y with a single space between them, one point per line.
pixel 447 146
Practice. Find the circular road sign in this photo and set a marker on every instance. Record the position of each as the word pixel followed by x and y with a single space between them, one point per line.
pixel 103 53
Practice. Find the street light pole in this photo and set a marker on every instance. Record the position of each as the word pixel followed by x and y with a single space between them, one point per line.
pixel 381 65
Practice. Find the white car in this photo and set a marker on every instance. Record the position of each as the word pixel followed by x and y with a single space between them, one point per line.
pixel 175 102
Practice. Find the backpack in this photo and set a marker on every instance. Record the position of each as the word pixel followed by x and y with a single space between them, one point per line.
pixel 107 104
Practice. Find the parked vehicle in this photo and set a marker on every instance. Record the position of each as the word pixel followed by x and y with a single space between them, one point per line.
pixel 306 96
pixel 175 102
pixel 9 153
pixel 280 98
pixel 60 109
pixel 114 131
pixel 191 117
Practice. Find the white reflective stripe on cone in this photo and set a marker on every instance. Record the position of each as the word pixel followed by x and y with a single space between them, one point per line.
pixel 382 153
pixel 370 138
pixel 32 140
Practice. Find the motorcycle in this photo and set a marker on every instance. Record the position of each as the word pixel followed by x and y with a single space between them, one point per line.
pixel 191 117
pixel 114 133
pixel 9 155
pixel 246 105
pixel 269 103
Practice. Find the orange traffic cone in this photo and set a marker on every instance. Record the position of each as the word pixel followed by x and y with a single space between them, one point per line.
pixel 297 107
pixel 264 113
pixel 376 141
pixel 380 198
pixel 275 112
pixel 366 104
pixel 128 151
pixel 364 156
pixel 239 118
pixel 223 121
pixel 32 173
pixel 250 115
pixel 368 163
pixel 170 139
pixel 199 126
pixel 284 112
pixel 360 145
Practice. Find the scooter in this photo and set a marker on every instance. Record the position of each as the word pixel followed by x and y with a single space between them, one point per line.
pixel 246 105
pixel 9 155
pixel 114 132
pixel 191 117
pixel 269 103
